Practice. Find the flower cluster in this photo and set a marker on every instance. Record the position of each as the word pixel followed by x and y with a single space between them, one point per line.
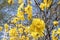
pixel 37 27
pixel 45 4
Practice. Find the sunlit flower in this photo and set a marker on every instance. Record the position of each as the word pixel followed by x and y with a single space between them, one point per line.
pixel 21 6
pixel 53 35
pixel 38 26
pixel 28 10
pixel 54 38
pixel 58 2
pixel 13 32
pixel 27 38
pixel 23 37
pixel 20 1
pixel 20 30
pixel 42 6
pixel 34 34
pixel 13 38
pixel 20 15
pixel 55 23
pixel 26 30
pixel 46 4
pixel 10 1
pixel 58 31
pixel 15 20
pixel 53 32
pixel 6 26
pixel 1 28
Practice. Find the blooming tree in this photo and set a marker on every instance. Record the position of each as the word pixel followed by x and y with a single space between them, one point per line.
pixel 34 20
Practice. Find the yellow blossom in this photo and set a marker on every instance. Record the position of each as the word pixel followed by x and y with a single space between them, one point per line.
pixel 15 20
pixel 23 37
pixel 10 1
pixel 53 32
pixel 20 1
pixel 13 38
pixel 20 15
pixel 54 38
pixel 21 6
pixel 28 10
pixel 20 26
pixel 58 31
pixel 55 23
pixel 1 28
pixel 13 32
pixel 46 4
pixel 20 30
pixel 27 38
pixel 58 2
pixel 53 35
pixel 26 30
pixel 42 6
pixel 6 26
pixel 38 26
pixel 34 34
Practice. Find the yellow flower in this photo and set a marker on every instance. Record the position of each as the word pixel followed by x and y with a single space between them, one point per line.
pixel 55 23
pixel 20 14
pixel 34 34
pixel 10 1
pixel 53 32
pixel 53 35
pixel 1 28
pixel 45 4
pixel 42 6
pixel 6 26
pixel 27 38
pixel 20 30
pixel 28 10
pixel 13 32
pixel 15 20
pixel 23 37
pixel 58 31
pixel 26 30
pixel 20 26
pixel 13 38
pixel 54 38
pixel 58 2
pixel 20 1
pixel 21 6
pixel 45 1
pixel 38 26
